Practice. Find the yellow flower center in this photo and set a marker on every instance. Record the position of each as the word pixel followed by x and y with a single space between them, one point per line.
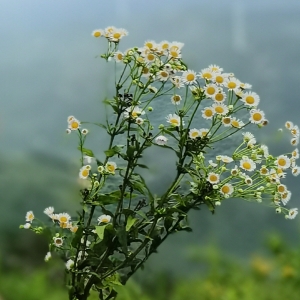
pixel 165 46
pixel 211 90
pixel 195 134
pixel 111 168
pixel 119 56
pixel 226 120
pixel 206 75
pixel 74 125
pixel 246 165
pixel 174 54
pixel 204 133
pixel 97 34
pixel 213 178
pixel 249 100
pixel 219 97
pixel 280 188
pixel 176 98
pixel 150 56
pixel 281 162
pixel 219 79
pixel 145 70
pixel 225 189
pixel 235 123
pixel 117 35
pixel 208 113
pixel 149 45
pixel 174 122
pixel 190 77
pixel 257 116
pixel 74 229
pixel 85 173
pixel 264 171
pixel 164 74
pixel 63 219
pixel 219 109
pixel 231 85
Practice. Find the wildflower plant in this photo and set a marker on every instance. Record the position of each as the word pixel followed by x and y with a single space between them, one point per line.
pixel 122 222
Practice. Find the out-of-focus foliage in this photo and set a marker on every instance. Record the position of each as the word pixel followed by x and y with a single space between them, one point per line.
pixel 273 276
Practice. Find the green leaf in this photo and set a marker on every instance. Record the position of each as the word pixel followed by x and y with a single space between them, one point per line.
pixel 85 151
pixel 101 125
pixel 122 237
pixel 130 222
pixel 104 199
pixel 101 230
pixel 142 166
pixel 114 150
pixel 142 214
pixel 168 222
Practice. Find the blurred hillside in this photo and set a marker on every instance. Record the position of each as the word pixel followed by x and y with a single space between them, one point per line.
pixel 49 71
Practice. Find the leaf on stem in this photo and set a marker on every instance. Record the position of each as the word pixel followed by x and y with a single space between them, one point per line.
pixel 85 151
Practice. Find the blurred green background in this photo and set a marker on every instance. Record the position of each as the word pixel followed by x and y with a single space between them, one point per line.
pixel 49 71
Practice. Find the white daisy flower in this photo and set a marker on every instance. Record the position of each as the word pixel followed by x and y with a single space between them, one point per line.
pixel 27 225
pixel 70 264
pixel 292 213
pixel 161 140
pixel 139 121
pixel 248 180
pixel 84 172
pixel 288 124
pixel 98 33
pixel 295 153
pixel 133 112
pixel 29 216
pixel 295 141
pixel 207 74
pixel 236 123
pixel 177 81
pixel 174 120
pixel 257 116
pixel 295 131
pixel 296 170
pixel 227 189
pixel 283 162
pixel 247 164
pixel 213 178
pixel 194 133
pixel 232 83
pixel 203 132
pixel 226 121
pixel 211 90
pixel 118 56
pixel 250 99
pixel 58 242
pixel 175 99
pixel 208 113
pixel 189 77
pixel 63 218
pixel 110 167
pixel 220 108
pixel 47 256
pixel 104 219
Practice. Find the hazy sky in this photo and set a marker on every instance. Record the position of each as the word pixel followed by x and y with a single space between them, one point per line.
pixel 49 70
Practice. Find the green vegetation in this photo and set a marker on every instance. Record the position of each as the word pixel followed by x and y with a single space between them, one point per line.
pixel 275 276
